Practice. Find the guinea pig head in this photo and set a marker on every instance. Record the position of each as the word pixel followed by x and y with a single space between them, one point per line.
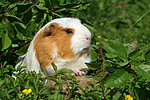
pixel 80 36
pixel 62 38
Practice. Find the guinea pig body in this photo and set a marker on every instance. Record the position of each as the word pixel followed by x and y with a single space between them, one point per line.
pixel 64 42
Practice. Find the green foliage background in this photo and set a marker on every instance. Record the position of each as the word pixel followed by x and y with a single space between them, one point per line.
pixel 120 47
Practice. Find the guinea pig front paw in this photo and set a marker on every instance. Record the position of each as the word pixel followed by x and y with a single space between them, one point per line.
pixel 79 73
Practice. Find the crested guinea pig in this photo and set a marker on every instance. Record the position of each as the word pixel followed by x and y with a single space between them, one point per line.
pixel 64 42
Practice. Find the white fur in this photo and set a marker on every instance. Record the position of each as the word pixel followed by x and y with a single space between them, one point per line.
pixel 78 43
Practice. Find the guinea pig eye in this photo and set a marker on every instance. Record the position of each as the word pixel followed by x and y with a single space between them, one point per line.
pixel 68 31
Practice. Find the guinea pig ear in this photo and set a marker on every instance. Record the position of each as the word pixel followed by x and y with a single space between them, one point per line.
pixel 49 32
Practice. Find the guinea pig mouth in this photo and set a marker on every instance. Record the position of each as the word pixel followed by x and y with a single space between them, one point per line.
pixel 84 49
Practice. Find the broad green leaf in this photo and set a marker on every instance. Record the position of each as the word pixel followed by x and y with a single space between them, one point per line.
pixel 118 78
pixel 94 55
pixel 20 27
pixel 27 16
pixel 13 18
pixel 117 95
pixel 147 55
pixel 22 50
pixel 111 69
pixel 11 29
pixel 93 66
pixel 20 36
pixel 108 55
pixel 136 54
pixel 6 41
pixel 30 29
pixel 23 7
pixel 144 70
pixel 123 63
pixel 115 48
pixel 2 28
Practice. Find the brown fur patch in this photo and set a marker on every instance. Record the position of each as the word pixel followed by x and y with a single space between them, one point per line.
pixel 59 40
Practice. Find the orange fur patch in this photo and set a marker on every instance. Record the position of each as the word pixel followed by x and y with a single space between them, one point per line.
pixel 59 41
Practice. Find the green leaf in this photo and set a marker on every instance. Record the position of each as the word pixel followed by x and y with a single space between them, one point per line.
pixel 20 27
pixel 42 89
pixel 92 84
pixel 39 7
pixel 117 96
pixel 13 18
pixel 48 4
pixel 115 48
pixel 64 71
pixel 55 67
pixel 68 1
pixel 6 41
pixel 30 29
pixel 93 66
pixel 22 50
pixel 27 16
pixel 19 68
pixel 2 82
pixel 39 16
pixel 60 10
pixel 94 55
pixel 20 36
pixel 108 55
pixel 69 75
pixel 57 14
pixel 94 94
pixel 20 78
pixel 23 7
pixel 136 54
pixel 84 6
pixel 61 1
pixel 144 70
pixel 55 2
pixel 11 29
pixel 118 78
pixel 51 78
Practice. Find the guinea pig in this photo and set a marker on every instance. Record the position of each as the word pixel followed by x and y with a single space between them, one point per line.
pixel 64 42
